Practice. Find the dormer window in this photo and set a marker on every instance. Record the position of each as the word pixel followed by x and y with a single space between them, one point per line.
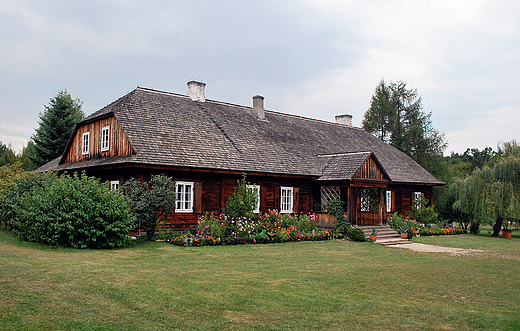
pixel 86 142
pixel 105 134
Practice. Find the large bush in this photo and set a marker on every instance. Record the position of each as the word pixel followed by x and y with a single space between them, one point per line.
pixel 68 211
pixel 151 201
pixel 242 202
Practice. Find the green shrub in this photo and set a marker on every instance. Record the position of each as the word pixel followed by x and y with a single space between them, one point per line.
pixel 474 227
pixel 335 207
pixel 67 211
pixel 423 214
pixel 396 221
pixel 304 222
pixel 242 202
pixel 356 234
pixel 151 201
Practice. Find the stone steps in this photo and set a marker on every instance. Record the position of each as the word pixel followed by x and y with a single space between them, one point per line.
pixel 385 235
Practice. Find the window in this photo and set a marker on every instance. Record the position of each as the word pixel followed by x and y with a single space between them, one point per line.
pixel 86 141
pixel 329 193
pixel 286 196
pixel 184 197
pixel 257 190
pixel 364 200
pixel 417 199
pixel 389 201
pixel 369 199
pixel 105 134
pixel 114 185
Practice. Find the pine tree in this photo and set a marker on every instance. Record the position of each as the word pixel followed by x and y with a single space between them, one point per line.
pixel 56 125
pixel 3 148
pixel 396 116
pixel 379 117
pixel 28 155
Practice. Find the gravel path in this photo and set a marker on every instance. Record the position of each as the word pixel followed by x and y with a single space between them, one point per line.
pixel 416 247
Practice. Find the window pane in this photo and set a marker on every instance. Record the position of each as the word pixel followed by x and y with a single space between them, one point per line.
pixel 286 195
pixel 388 201
pixel 184 196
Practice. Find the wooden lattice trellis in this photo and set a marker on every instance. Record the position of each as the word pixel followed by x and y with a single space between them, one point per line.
pixel 329 193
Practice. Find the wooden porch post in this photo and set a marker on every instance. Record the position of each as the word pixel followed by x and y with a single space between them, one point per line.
pixel 349 208
pixel 352 201
pixel 382 206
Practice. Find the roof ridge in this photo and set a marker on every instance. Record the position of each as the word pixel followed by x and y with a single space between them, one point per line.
pixel 186 96
pixel 344 154
pixel 243 106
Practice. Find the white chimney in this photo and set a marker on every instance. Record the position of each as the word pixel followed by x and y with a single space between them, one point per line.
pixel 196 91
pixel 258 107
pixel 344 119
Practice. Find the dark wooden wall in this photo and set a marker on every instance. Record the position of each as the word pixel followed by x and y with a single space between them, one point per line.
pixel 403 196
pixel 216 188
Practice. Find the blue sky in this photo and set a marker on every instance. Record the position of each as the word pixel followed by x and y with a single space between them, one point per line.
pixel 314 58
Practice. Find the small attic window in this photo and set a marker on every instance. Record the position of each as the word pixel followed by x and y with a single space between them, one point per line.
pixel 86 142
pixel 105 135
pixel 114 185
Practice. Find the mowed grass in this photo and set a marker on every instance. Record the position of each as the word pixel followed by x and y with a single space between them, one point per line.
pixel 333 285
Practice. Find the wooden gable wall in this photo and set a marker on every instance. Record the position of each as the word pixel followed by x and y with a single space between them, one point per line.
pixel 370 170
pixel 118 142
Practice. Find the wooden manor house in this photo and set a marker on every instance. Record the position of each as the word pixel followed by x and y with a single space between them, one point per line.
pixel 297 164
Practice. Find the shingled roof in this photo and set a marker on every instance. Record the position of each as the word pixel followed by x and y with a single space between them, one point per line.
pixel 172 130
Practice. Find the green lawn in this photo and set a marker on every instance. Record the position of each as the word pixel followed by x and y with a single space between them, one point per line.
pixel 333 285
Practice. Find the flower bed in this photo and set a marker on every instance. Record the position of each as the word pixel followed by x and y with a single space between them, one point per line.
pixel 436 231
pixel 418 229
pixel 271 227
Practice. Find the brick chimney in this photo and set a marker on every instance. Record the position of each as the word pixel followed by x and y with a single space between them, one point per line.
pixel 258 107
pixel 196 91
pixel 344 119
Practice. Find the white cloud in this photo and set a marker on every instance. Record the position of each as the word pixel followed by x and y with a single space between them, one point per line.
pixel 316 58
pixel 486 130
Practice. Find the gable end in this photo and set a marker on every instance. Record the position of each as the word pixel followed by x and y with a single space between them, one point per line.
pixel 371 169
pixel 103 142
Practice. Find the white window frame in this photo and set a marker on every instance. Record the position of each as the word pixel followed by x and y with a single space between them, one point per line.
pixel 114 185
pixel 184 203
pixel 256 188
pixel 388 201
pixel 105 138
pixel 417 196
pixel 85 147
pixel 286 199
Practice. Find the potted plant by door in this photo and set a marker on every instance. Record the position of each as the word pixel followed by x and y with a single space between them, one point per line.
pixel 404 231
pixel 373 234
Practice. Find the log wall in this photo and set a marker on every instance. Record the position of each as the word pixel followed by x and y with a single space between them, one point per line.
pixel 215 188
